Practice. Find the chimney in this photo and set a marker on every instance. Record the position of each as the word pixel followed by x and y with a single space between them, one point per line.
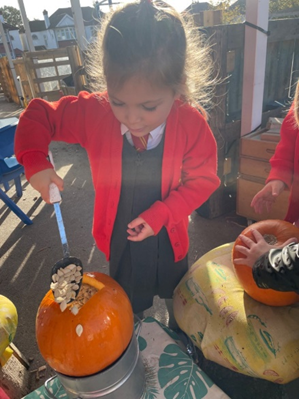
pixel 46 18
pixel 1 17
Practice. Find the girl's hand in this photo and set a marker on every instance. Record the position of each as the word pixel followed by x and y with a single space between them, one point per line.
pixel 41 181
pixel 138 230
pixel 255 250
pixel 267 196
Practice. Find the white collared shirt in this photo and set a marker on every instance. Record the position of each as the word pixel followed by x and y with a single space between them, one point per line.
pixel 154 138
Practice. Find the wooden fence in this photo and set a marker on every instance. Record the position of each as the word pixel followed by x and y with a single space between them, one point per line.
pixel 7 83
pixel 282 73
pixel 42 72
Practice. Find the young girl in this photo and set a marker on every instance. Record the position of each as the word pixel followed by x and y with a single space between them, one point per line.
pixel 284 167
pixel 142 198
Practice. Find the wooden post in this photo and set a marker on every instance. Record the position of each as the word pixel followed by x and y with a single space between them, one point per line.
pixel 26 26
pixel 255 51
pixel 29 71
pixel 76 67
pixel 79 25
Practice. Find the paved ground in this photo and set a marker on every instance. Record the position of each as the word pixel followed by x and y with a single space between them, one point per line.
pixel 28 252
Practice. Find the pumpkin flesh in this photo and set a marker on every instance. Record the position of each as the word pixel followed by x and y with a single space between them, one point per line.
pixel 275 232
pixel 107 321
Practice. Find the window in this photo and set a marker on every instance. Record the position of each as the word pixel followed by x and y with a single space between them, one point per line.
pixel 34 37
pixel 65 34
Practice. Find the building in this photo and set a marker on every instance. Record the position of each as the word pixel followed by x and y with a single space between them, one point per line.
pixel 55 31
pixel 58 30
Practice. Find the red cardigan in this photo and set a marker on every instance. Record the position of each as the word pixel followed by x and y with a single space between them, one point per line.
pixel 188 169
pixel 285 163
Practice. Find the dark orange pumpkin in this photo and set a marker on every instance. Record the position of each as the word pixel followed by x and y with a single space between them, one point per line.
pixel 106 318
pixel 275 232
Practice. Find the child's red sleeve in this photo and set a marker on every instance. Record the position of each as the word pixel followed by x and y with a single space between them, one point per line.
pixel 43 122
pixel 282 162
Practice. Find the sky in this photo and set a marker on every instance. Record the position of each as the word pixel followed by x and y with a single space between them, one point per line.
pixel 34 8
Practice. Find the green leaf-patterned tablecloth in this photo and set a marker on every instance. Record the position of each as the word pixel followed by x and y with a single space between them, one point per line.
pixel 170 372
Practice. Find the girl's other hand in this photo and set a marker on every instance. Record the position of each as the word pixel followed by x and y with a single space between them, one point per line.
pixel 267 196
pixel 255 249
pixel 41 181
pixel 138 230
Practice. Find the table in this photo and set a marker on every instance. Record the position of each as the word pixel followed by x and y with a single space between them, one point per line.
pixel 161 350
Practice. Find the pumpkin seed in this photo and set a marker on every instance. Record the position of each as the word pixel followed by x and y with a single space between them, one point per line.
pixel 63 306
pixel 79 330
pixel 75 310
pixel 59 299
pixel 71 267
pixel 73 295
pixel 53 286
pixel 66 283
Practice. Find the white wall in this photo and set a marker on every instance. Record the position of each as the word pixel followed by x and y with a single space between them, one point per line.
pixel 65 21
pixel 49 39
pixel 16 41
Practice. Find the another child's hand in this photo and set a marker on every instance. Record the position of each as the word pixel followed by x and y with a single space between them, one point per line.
pixel 267 196
pixel 41 181
pixel 138 230
pixel 255 250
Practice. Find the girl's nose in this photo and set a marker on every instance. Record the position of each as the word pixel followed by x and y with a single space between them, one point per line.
pixel 132 116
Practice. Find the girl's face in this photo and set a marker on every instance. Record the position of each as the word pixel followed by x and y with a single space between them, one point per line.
pixel 141 106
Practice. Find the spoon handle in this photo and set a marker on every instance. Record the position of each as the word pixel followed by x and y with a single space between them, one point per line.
pixel 55 198
pixel 65 246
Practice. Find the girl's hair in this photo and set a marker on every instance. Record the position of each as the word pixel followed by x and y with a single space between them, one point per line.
pixel 296 104
pixel 151 40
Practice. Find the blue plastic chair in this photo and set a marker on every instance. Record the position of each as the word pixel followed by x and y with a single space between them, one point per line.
pixel 10 169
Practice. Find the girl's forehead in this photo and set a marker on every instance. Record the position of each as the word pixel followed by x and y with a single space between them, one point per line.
pixel 139 89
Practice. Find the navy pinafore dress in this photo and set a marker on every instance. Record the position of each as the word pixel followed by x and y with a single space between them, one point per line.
pixel 146 268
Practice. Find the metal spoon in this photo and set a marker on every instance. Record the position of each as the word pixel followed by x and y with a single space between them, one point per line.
pixel 67 273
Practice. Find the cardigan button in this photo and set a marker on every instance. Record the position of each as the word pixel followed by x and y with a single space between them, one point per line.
pixel 180 257
pixel 172 230
pixel 177 244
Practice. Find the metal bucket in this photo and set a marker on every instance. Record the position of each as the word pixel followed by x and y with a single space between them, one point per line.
pixel 124 379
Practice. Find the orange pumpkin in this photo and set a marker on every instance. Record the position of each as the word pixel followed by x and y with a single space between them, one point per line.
pixel 107 321
pixel 275 232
